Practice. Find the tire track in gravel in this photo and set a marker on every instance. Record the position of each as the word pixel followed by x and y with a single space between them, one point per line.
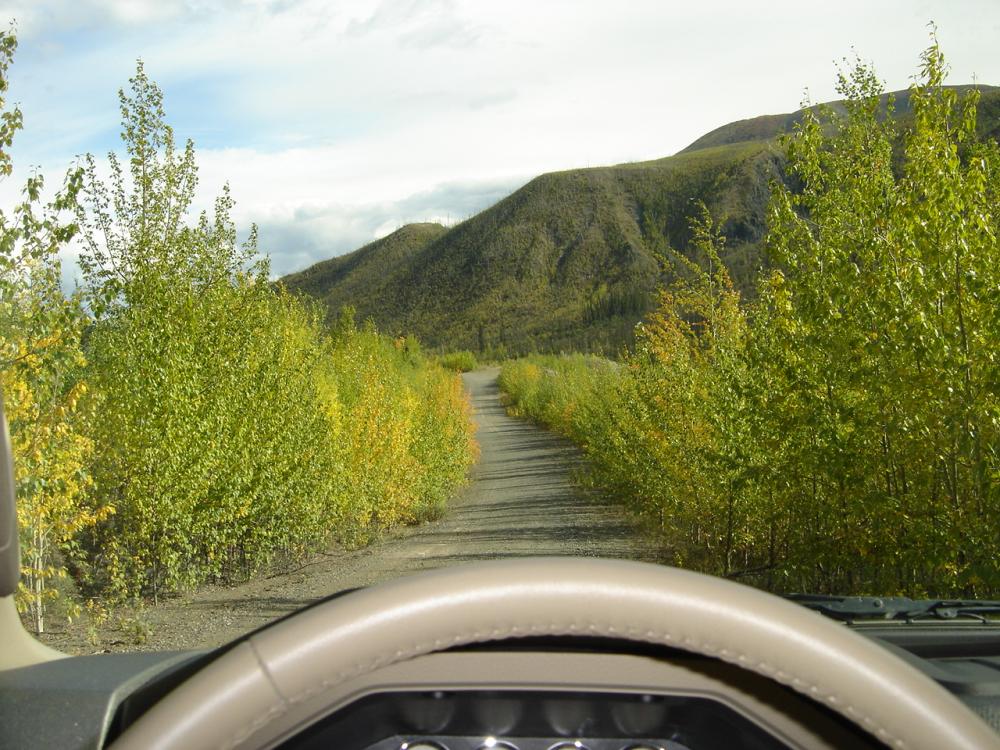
pixel 520 501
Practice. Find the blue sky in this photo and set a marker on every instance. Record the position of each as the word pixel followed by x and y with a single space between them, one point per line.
pixel 336 122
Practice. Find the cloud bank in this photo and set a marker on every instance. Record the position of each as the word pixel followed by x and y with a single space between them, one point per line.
pixel 335 122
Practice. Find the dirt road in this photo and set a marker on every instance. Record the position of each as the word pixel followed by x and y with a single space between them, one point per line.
pixel 521 501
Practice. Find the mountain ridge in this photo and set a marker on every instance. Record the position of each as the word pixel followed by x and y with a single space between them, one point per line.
pixel 765 127
pixel 572 259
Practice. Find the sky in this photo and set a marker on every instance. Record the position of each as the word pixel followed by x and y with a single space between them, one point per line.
pixel 335 123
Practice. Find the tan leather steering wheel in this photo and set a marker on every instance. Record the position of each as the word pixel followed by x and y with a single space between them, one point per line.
pixel 239 699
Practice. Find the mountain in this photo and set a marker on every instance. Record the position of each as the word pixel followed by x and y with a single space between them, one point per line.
pixel 570 260
pixel 366 276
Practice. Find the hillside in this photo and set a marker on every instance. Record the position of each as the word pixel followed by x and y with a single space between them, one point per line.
pixel 360 277
pixel 570 260
pixel 567 261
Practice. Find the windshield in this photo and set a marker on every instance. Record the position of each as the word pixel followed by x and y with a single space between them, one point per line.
pixel 298 297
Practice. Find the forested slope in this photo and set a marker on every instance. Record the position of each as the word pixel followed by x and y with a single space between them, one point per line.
pixel 568 261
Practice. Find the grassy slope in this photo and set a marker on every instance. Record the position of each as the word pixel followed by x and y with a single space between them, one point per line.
pixel 569 260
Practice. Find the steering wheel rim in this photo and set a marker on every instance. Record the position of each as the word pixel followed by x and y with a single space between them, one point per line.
pixel 235 699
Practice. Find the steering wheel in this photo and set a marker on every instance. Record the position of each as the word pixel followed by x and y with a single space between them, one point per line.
pixel 238 699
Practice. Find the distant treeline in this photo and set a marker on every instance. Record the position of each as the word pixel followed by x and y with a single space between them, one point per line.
pixel 840 432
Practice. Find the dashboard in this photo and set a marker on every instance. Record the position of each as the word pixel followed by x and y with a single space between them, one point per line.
pixel 535 720
pixel 537 694
pixel 561 695
pixel 531 655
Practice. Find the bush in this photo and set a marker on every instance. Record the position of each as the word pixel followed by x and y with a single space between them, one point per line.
pixel 839 434
pixel 229 427
pixel 462 361
pixel 41 359
pixel 406 435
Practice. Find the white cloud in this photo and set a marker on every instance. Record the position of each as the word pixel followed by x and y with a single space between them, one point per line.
pixel 36 19
pixel 320 203
pixel 420 24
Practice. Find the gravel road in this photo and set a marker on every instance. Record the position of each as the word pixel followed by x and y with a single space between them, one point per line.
pixel 521 501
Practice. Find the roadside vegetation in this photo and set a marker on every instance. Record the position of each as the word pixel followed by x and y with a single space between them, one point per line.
pixel 839 432
pixel 177 420
pixel 461 361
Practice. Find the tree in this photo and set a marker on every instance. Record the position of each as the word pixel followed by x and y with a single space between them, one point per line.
pixel 40 365
pixel 840 434
pixel 211 442
pixel 135 229
pixel 885 362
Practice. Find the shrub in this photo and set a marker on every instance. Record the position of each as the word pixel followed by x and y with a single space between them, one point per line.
pixel 230 428
pixel 462 361
pixel 839 434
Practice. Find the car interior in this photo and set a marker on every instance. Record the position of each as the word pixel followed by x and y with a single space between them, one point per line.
pixel 518 654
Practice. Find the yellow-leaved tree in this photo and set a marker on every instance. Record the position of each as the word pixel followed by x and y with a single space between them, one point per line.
pixel 40 368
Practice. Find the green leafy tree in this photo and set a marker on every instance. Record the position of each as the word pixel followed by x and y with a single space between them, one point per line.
pixel 211 441
pixel 231 429
pixel 890 327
